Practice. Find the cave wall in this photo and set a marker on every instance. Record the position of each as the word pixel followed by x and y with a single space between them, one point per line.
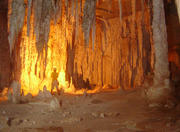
pixel 123 54
pixel 4 46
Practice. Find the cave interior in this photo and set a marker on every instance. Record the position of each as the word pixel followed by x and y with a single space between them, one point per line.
pixel 97 47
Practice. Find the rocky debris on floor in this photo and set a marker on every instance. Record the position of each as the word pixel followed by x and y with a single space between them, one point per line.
pixel 66 114
pixel 122 113
pixel 154 105
pixel 9 120
pixel 72 120
pixel 103 115
pixel 169 104
pixel 131 125
pixel 27 98
pixel 96 115
pixel 44 94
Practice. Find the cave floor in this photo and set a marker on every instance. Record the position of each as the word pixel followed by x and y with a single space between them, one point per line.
pixel 103 112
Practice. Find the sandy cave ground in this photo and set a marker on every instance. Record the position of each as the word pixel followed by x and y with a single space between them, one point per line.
pixel 118 111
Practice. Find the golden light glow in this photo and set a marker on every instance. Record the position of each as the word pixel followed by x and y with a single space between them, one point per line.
pixel 3 95
pixel 36 68
pixel 35 72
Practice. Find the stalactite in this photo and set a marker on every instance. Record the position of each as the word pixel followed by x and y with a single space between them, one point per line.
pixel 178 8
pixel 134 8
pixel 28 16
pixel 37 17
pixel 88 17
pixel 142 6
pixel 16 21
pixel 57 10
pixel 72 7
pixel 80 6
pixel 77 19
pixel 93 33
pixel 120 10
pixel 42 10
pixel 66 6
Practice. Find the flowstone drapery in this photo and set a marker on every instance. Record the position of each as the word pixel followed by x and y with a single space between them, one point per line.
pixel 121 53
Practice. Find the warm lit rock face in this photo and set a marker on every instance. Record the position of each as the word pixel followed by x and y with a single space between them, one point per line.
pixel 96 48
pixel 123 51
pixel 4 46
pixel 39 48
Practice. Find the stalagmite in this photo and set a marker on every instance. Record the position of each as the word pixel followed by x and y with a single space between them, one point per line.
pixel 16 21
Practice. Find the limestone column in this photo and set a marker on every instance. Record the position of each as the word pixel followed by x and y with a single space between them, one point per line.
pixel 160 89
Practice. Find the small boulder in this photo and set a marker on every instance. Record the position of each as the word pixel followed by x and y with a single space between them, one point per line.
pixel 154 105
pixel 95 115
pixel 54 104
pixel 46 93
pixel 102 115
